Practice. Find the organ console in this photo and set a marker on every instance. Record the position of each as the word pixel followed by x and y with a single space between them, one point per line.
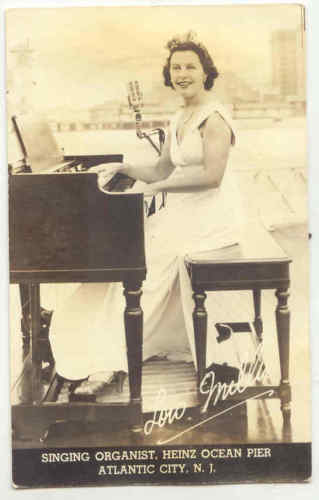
pixel 62 229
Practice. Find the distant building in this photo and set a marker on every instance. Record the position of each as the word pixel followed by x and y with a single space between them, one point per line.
pixel 288 63
pixel 231 88
pixel 21 79
pixel 108 111
pixel 119 112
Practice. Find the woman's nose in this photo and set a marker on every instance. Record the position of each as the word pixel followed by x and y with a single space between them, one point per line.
pixel 183 72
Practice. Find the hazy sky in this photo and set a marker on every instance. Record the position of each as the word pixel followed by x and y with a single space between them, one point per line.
pixel 83 56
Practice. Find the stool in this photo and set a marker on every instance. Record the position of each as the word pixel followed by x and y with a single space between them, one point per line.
pixel 253 265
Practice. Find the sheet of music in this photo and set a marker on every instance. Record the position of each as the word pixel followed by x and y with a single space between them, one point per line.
pixel 159 245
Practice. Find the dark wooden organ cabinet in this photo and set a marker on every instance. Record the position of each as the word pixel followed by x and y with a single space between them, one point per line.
pixel 64 229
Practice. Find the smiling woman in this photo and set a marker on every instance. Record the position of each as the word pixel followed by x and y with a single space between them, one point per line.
pixel 203 63
pixel 200 215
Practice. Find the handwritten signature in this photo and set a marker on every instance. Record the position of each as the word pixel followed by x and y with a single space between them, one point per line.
pixel 249 374
pixel 163 417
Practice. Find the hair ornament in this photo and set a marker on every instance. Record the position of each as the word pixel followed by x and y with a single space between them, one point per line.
pixel 190 37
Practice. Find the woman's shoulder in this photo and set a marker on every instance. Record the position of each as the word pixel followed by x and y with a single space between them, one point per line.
pixel 214 106
pixel 210 109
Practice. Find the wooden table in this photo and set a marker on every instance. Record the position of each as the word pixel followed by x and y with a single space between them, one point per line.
pixel 257 264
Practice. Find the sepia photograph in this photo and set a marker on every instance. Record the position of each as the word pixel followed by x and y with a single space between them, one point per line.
pixel 158 244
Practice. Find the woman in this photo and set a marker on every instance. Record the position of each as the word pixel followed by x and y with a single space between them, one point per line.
pixel 199 216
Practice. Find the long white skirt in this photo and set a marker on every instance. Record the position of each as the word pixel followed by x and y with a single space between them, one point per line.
pixel 87 331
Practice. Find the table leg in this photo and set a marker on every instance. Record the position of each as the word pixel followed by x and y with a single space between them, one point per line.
pixel 25 318
pixel 283 326
pixel 258 323
pixel 133 317
pixel 35 351
pixel 200 332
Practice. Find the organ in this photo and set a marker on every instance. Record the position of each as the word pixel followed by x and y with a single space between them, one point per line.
pixel 63 228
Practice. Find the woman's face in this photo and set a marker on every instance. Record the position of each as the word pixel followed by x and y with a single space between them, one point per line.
pixel 187 73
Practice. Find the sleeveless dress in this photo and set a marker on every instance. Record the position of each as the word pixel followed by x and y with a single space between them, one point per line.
pixel 87 332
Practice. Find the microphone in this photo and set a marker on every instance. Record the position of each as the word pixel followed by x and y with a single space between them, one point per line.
pixel 135 101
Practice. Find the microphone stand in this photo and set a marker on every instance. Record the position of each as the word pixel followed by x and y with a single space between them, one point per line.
pixel 135 103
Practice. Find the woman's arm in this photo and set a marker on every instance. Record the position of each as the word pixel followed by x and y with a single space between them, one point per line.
pixel 153 173
pixel 216 146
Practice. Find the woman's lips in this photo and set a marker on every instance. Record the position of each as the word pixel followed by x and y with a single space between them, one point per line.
pixel 184 84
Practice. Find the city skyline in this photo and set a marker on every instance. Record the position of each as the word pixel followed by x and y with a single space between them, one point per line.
pixel 73 64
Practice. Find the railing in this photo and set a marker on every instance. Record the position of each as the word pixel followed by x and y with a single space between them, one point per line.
pixel 73 126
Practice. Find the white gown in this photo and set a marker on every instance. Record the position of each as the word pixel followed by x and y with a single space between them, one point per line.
pixel 87 332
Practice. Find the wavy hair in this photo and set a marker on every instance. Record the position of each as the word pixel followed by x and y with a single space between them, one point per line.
pixel 189 42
